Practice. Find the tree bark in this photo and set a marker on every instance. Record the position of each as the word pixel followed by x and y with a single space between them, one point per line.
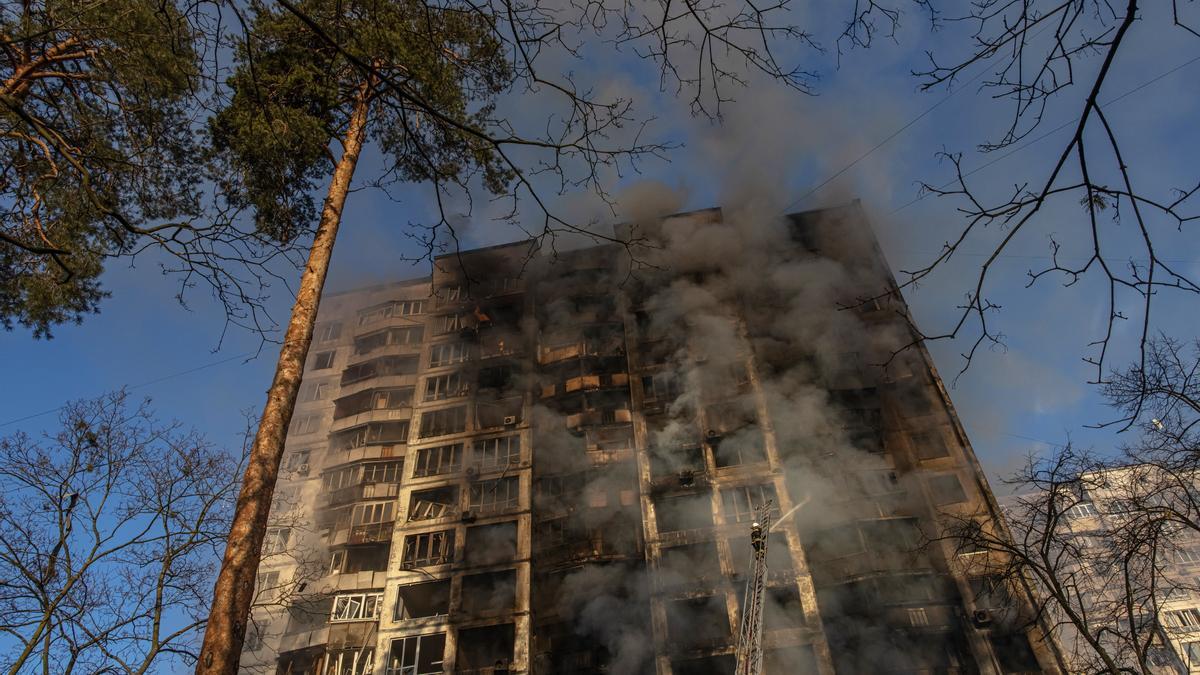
pixel 234 592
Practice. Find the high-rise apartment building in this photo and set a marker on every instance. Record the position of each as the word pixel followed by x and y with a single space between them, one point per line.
pixel 548 462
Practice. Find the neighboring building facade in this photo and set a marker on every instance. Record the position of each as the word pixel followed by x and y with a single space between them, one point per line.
pixel 534 463
pixel 1159 583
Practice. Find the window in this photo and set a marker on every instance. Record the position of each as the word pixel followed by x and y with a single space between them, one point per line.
pixel 316 391
pixel 429 548
pixel 946 489
pixel 685 512
pixel 447 353
pixel 410 335
pixel 357 606
pixel 661 388
pixel 1193 655
pixel 267 587
pixel 879 482
pixel 328 332
pixel 276 540
pixel 741 504
pixel 743 447
pixel 254 638
pixel 323 360
pixel 930 444
pixel 380 367
pixel 444 421
pixel 306 424
pixel 1186 619
pixel 494 496
pixel 444 386
pixel 376 433
pixel 383 472
pixel 917 616
pixel 1187 554
pixel 356 661
pixel 497 453
pixel 434 503
pixel 452 323
pixel 1083 510
pixel 298 462
pixel 489 592
pixel 417 601
pixel 438 460
pixel 390 309
pixel 340 478
pixel 491 544
pixel 419 655
pixel 372 513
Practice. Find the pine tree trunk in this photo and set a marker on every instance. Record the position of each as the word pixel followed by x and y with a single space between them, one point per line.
pixel 234 592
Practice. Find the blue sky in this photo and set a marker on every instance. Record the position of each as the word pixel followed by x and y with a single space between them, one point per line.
pixel 1012 401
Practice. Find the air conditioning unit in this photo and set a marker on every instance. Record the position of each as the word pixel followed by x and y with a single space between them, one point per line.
pixel 510 420
pixel 302 469
pixel 982 618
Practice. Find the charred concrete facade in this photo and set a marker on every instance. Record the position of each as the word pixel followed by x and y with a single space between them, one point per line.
pixel 535 463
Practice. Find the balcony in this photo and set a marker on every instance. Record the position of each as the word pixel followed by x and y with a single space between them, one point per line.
pixel 363 534
pixel 351 581
pixel 607 347
pixel 350 421
pixel 357 492
pixel 413 348
pixel 599 417
pixel 585 383
pixel 378 382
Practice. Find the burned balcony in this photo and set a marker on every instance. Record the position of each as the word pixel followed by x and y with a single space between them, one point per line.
pixel 738 448
pixel 379 367
pixel 424 600
pixel 689 565
pixel 375 433
pixel 383 398
pixel 372 480
pixel 571 343
pixel 481 649
pixel 684 512
pixel 584 374
pixel 389 341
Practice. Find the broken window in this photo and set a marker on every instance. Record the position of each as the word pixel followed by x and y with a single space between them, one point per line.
pixel 930 444
pixel 446 353
pixel 355 661
pixel 482 648
pixel 357 606
pixel 373 399
pixel 327 331
pixel 496 454
pixel 660 389
pixel 946 489
pixel 438 460
pixel 491 544
pixel 1014 653
pixel 444 421
pixel 315 391
pixel 428 548
pixel 416 601
pixel 444 386
pixel 491 592
pixel 495 496
pixel 741 504
pixel 323 360
pixel 359 559
pixel 418 655
pixel 435 503
pixel 375 433
pixel 685 512
pixel 452 323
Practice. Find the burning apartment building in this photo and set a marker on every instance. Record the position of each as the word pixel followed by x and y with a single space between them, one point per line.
pixel 549 463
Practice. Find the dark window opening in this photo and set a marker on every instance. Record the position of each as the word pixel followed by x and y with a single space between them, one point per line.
pixel 779 558
pixel 487 593
pixel 323 360
pixel 741 504
pixel 690 564
pixel 696 623
pixel 385 365
pixel 946 489
pixel 491 544
pixel 417 601
pixel 930 444
pixel 481 649
pixel 684 512
pixel 742 447
pixel 418 655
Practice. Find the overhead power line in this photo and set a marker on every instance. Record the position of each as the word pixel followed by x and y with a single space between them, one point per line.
pixel 141 385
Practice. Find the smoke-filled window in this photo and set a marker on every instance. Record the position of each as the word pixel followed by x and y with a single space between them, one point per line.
pixel 698 623
pixel 428 548
pixel 495 496
pixel 930 444
pixel 489 593
pixel 491 544
pixel 418 655
pixel 683 512
pixel 480 649
pixel 444 421
pixel 946 489
pixel 779 558
pixel 741 504
pixel 499 413
pixel 745 446
pixel 380 367
pixel 689 564
pixel 438 460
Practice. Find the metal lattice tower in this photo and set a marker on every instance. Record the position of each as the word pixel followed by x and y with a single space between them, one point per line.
pixel 749 643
